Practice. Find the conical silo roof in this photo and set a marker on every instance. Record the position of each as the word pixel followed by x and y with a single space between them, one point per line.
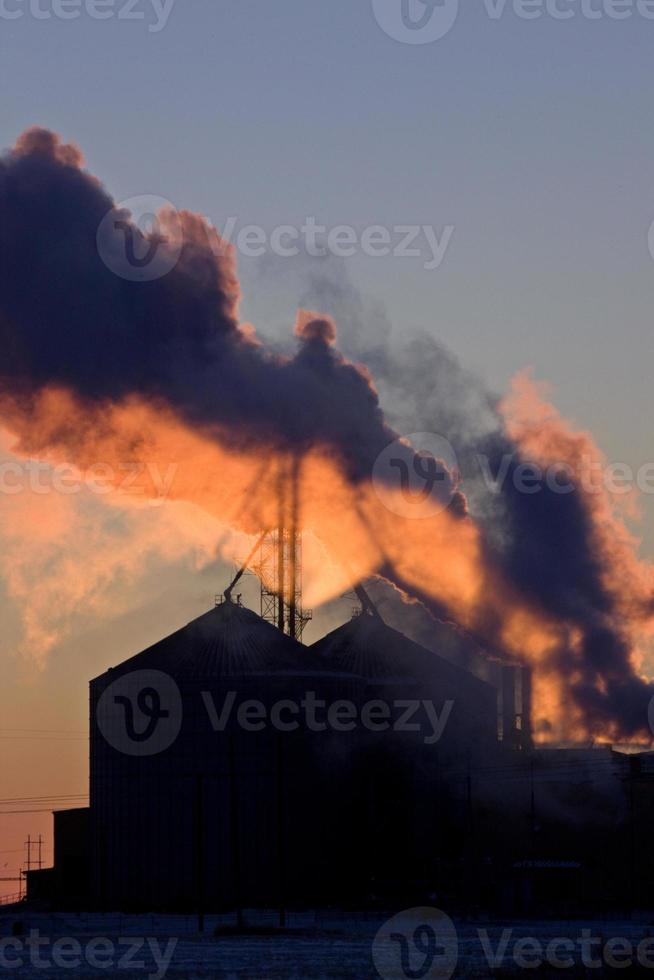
pixel 368 647
pixel 228 641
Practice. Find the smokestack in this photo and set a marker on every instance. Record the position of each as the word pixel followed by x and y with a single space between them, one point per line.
pixel 280 552
pixel 294 594
pixel 516 686
pixel 509 713
pixel 526 679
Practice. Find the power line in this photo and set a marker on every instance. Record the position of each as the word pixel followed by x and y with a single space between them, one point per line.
pixel 42 804
pixel 44 731
pixel 41 738
pixel 45 799
pixel 48 809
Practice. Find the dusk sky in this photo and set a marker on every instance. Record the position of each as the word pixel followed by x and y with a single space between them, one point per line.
pixel 531 140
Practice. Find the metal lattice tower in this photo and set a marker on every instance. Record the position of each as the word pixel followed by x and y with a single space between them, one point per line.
pixel 279 570
pixel 279 562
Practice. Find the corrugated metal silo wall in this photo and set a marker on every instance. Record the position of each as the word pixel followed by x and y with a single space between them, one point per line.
pixel 418 777
pixel 266 828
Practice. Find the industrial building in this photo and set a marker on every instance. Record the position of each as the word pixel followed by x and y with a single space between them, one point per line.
pixel 240 800
pixel 233 816
pixel 229 815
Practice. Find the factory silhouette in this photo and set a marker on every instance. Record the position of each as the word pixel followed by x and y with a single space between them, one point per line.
pixel 196 808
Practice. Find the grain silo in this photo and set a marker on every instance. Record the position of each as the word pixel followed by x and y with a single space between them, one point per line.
pixel 415 776
pixel 198 804
pixel 393 666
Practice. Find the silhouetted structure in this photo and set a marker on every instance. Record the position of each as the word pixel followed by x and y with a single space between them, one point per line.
pixel 411 792
pixel 391 666
pixel 412 820
pixel 67 884
pixel 225 817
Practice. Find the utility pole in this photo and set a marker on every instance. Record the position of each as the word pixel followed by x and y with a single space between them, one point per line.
pixel 634 770
pixel 532 821
pixel 19 880
pixel 235 834
pixel 281 837
pixel 200 850
pixel 470 850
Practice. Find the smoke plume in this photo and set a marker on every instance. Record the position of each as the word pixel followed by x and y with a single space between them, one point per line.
pixel 100 367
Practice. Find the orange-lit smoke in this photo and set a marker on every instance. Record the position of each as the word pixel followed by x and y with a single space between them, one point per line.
pixel 349 532
pixel 575 464
pixel 158 395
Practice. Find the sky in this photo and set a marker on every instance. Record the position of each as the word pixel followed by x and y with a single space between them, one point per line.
pixel 531 140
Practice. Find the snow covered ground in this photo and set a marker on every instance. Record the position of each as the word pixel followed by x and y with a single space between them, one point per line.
pixel 315 946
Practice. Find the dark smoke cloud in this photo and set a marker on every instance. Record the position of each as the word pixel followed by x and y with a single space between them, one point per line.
pixel 544 544
pixel 66 319
pixel 548 548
